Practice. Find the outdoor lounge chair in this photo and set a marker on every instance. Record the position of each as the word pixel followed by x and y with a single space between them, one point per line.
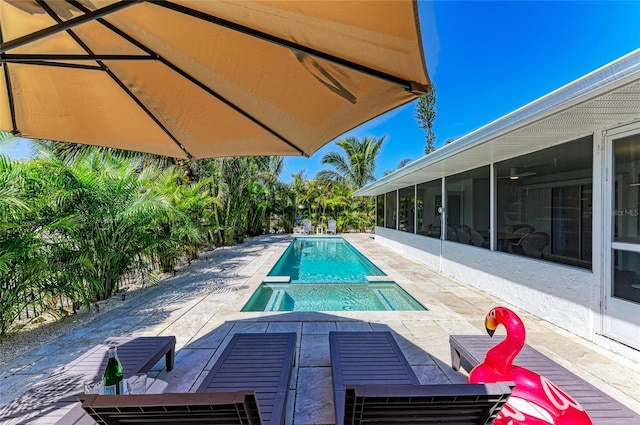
pixel 374 383
pixel 253 370
pixel 332 227
pixel 603 409
pixel 51 399
pixel 307 228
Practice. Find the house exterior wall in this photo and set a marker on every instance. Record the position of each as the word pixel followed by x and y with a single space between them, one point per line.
pixel 586 277
pixel 557 293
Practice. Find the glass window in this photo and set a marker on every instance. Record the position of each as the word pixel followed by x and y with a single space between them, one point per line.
pixel 391 209
pixel 467 207
pixel 380 211
pixel 428 204
pixel 407 209
pixel 626 278
pixel 544 203
pixel 626 205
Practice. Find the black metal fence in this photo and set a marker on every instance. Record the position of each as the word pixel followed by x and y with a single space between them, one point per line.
pixel 141 276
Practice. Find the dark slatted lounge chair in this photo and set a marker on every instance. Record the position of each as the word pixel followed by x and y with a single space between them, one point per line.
pixel 374 384
pixel 49 400
pixel 260 362
pixel 603 409
pixel 258 366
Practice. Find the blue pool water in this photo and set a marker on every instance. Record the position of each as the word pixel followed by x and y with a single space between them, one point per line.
pixel 327 274
pixel 331 297
pixel 323 260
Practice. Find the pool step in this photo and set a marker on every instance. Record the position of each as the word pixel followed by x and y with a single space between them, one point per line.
pixel 384 299
pixel 276 300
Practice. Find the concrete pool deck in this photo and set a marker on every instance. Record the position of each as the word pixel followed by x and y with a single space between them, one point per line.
pixel 201 307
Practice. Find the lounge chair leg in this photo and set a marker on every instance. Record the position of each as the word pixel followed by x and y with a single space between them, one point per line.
pixel 169 359
pixel 455 359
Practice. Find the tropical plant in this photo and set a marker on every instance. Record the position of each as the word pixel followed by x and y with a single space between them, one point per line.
pixel 121 212
pixel 247 190
pixel 354 169
pixel 401 164
pixel 186 224
pixel 39 262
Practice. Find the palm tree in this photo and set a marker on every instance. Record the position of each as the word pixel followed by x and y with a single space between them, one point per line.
pixel 187 223
pixel 401 164
pixel 356 168
pixel 118 212
pixel 246 188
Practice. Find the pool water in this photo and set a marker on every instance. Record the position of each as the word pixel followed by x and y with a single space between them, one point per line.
pixel 313 259
pixel 327 274
pixel 331 297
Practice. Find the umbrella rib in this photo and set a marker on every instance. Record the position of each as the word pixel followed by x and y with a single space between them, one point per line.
pixel 195 81
pixel 22 58
pixel 411 86
pixel 62 26
pixel 12 107
pixel 86 48
pixel 7 80
pixel 61 65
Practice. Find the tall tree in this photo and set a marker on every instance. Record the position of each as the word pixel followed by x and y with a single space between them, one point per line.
pixel 401 164
pixel 356 168
pixel 425 114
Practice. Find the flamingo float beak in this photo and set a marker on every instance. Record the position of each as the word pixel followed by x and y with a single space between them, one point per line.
pixel 490 324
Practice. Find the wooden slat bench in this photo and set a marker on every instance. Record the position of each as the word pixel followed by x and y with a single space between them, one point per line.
pixel 603 409
pixel 374 383
pixel 257 366
pixel 52 398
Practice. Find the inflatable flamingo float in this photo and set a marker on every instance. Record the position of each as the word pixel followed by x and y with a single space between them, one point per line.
pixel 535 400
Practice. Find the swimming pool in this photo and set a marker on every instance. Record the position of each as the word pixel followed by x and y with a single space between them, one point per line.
pixel 324 259
pixel 331 297
pixel 327 274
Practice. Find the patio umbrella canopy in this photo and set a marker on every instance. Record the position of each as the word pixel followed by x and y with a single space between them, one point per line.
pixel 195 79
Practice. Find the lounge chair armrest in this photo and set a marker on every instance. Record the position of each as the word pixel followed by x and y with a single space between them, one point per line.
pixel 230 407
pixel 438 390
pixel 425 404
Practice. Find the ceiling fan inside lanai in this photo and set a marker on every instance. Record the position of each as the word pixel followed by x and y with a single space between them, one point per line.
pixel 515 174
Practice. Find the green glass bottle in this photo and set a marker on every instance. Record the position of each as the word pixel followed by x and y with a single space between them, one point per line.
pixel 113 375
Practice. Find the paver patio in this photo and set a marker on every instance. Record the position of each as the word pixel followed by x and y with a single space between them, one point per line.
pixel 201 307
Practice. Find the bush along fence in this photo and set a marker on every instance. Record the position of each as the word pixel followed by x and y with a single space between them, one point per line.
pixel 31 308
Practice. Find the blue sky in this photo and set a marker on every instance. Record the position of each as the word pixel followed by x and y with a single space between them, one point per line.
pixel 486 59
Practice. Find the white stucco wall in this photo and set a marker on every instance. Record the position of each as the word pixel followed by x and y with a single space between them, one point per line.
pixel 423 249
pixel 554 292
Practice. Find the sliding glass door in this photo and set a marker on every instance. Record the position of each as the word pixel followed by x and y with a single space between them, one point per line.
pixel 622 276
